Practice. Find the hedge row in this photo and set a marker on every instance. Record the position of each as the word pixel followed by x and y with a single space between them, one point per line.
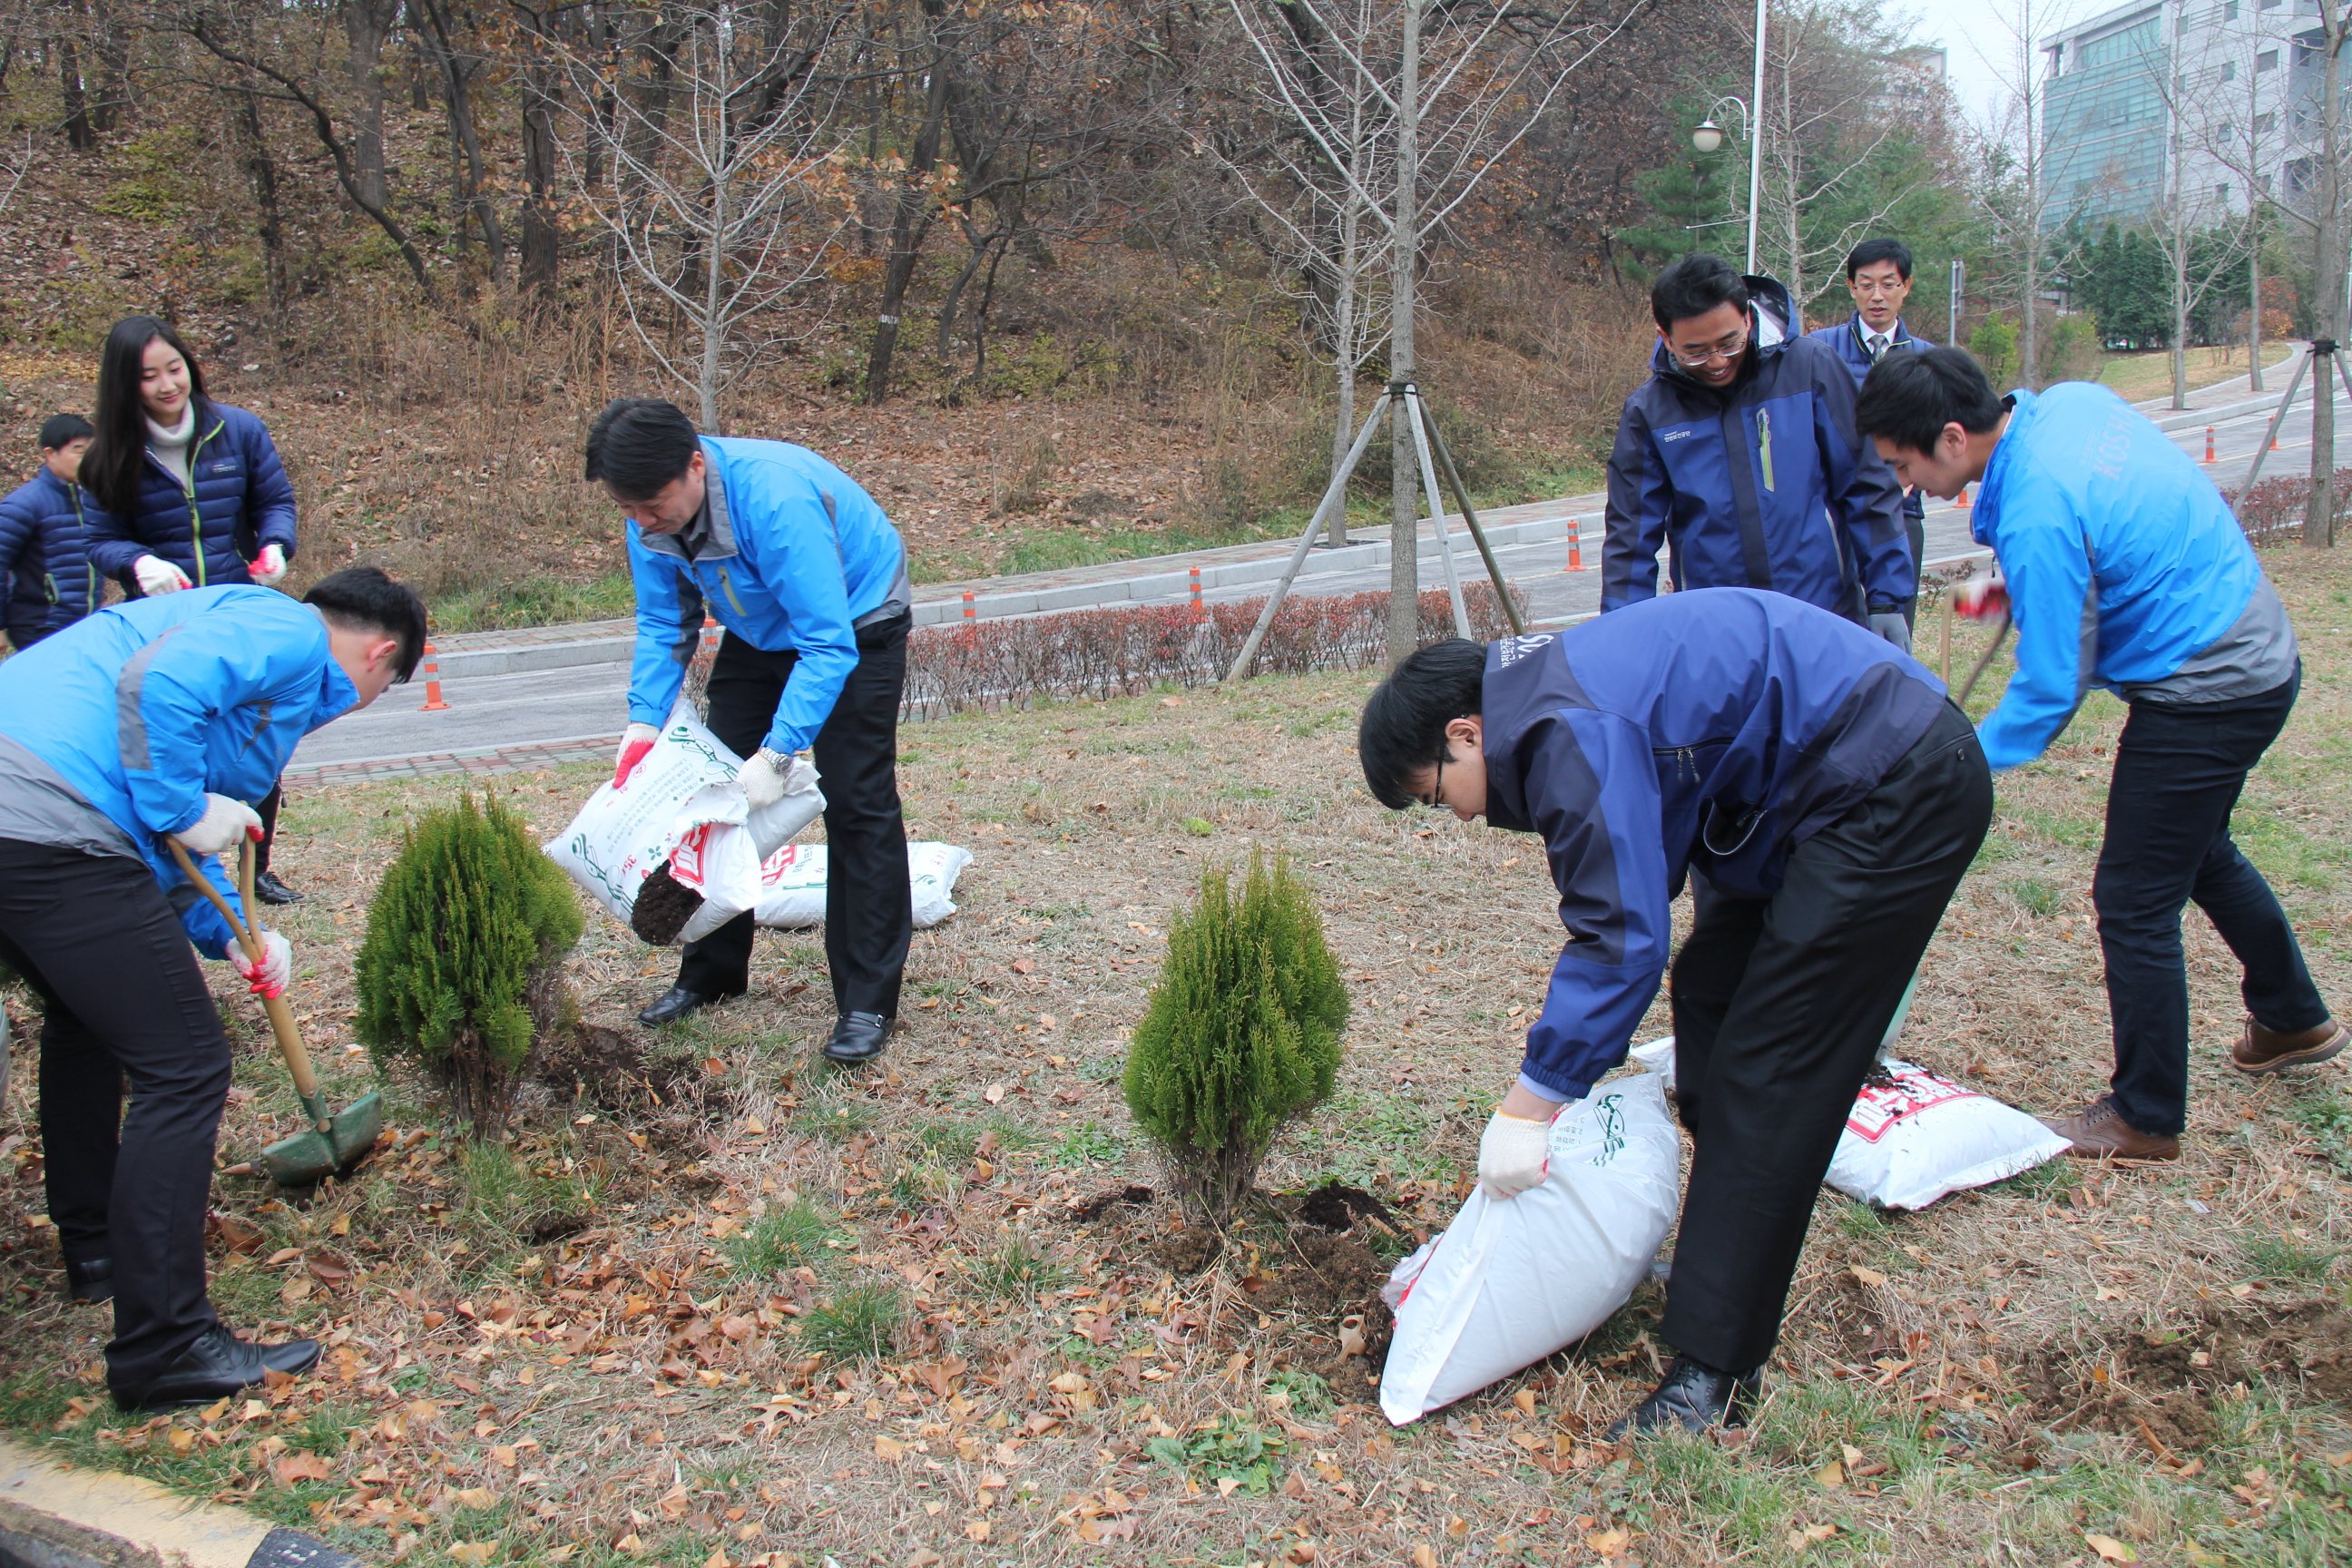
pixel 1123 653
pixel 2273 511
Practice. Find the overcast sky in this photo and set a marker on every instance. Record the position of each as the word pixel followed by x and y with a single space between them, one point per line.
pixel 1981 40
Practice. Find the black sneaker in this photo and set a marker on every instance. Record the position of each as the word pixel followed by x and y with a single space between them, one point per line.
pixel 218 1365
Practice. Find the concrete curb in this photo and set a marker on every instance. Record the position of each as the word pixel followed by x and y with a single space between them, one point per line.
pixel 53 1516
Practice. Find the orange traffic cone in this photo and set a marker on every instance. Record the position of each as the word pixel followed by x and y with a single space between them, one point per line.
pixel 1575 545
pixel 1964 498
pixel 433 703
pixel 2208 443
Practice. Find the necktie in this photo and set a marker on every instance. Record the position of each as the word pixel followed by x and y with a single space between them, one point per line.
pixel 1878 347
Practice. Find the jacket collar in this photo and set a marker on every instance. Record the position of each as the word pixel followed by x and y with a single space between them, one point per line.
pixel 1894 340
pixel 2023 410
pixel 712 531
pixel 336 695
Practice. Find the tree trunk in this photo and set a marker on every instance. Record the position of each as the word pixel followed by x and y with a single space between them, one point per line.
pixel 366 24
pixel 2255 301
pixel 2327 280
pixel 2179 302
pixel 111 42
pixel 458 72
pixel 80 133
pixel 540 238
pixel 909 223
pixel 261 174
pixel 1404 510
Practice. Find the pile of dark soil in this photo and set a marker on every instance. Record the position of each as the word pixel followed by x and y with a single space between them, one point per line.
pixel 662 906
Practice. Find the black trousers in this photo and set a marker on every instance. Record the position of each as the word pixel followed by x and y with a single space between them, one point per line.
pixel 2179 771
pixel 267 812
pixel 125 1000
pixel 1916 530
pixel 1778 1008
pixel 869 912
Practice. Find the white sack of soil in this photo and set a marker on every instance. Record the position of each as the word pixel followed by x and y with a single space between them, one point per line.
pixel 1914 1136
pixel 1510 1282
pixel 791 883
pixel 680 810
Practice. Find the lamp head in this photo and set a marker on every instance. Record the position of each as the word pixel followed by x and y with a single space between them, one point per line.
pixel 1708 136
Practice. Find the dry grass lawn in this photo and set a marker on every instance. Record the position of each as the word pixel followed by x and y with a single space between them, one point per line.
pixel 718 1306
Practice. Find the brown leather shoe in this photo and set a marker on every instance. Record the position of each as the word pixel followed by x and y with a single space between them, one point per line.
pixel 2098 1131
pixel 2259 1050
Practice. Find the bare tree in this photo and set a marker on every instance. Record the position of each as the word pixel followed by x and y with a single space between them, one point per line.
pixel 1492 71
pixel 366 25
pixel 727 199
pixel 2186 216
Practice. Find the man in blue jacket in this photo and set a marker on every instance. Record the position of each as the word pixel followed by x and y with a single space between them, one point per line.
pixel 809 578
pixel 1831 796
pixel 160 719
pixel 1740 453
pixel 1878 276
pixel 47 580
pixel 2124 570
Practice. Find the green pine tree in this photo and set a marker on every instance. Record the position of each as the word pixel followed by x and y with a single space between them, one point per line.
pixel 461 973
pixel 1241 1035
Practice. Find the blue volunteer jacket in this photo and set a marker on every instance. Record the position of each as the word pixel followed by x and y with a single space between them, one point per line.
pixel 46 576
pixel 1716 731
pixel 237 499
pixel 1762 484
pixel 2126 569
pixel 146 706
pixel 1851 340
pixel 788 553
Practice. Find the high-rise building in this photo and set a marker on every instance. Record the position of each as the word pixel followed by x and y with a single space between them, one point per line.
pixel 2202 104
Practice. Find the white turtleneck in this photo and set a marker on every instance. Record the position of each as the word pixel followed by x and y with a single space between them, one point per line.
pixel 171 447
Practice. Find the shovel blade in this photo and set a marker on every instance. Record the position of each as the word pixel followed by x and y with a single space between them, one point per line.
pixel 356 1127
pixel 302 1161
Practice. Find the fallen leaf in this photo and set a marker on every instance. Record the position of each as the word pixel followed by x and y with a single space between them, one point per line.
pixel 992 1093
pixel 1025 965
pixel 299 1466
pixel 1608 1542
pixel 1830 1477
pixel 1852 1455
pixel 1423 1557
pixel 975 1530
pixel 1866 1276
pixel 1456 1526
pixel 1801 1538
pixel 2109 1548
pixel 476 1497
pixel 888 1448
pixel 629 1543
pixel 473 1554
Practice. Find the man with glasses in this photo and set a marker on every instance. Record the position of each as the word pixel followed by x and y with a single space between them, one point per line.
pixel 1741 454
pixel 1878 276
pixel 1832 795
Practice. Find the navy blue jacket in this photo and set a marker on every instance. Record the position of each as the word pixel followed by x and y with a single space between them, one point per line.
pixel 1715 729
pixel 237 501
pixel 46 576
pixel 1761 484
pixel 1854 347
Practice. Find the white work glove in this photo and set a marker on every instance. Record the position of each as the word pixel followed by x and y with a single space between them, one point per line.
pixel 225 821
pixel 269 976
pixel 635 741
pixel 763 778
pixel 1890 624
pixel 156 575
pixel 269 566
pixel 1512 1154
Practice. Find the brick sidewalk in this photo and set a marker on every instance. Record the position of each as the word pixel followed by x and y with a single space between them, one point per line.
pixel 433 765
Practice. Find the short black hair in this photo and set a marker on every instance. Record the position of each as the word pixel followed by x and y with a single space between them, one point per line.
pixel 1404 727
pixel 1693 286
pixel 60 428
pixel 363 597
pixel 1909 398
pixel 638 444
pixel 1871 252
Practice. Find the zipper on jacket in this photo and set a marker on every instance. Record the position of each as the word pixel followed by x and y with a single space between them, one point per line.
pixel 1764 444
pixel 727 585
pixel 196 517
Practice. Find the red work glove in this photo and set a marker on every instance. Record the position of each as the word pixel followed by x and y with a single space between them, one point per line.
pixel 635 741
pixel 1982 596
pixel 269 976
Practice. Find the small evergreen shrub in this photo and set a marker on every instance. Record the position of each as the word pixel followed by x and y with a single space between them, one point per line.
pixel 1241 1035
pixel 461 973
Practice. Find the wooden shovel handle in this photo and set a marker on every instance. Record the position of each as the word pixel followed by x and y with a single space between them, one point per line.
pixel 281 1017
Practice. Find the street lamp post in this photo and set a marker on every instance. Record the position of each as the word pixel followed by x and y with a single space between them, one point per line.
pixel 1708 136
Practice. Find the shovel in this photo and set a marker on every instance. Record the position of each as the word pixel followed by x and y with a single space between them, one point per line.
pixel 335 1143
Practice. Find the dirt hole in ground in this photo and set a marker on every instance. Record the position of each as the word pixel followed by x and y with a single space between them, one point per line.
pixel 2160 1386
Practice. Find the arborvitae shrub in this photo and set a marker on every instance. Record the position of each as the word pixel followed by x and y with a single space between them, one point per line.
pixel 461 973
pixel 1242 1033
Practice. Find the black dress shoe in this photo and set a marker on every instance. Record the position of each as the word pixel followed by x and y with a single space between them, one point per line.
pixel 270 891
pixel 858 1037
pixel 91 1280
pixel 676 1003
pixel 218 1363
pixel 1694 1396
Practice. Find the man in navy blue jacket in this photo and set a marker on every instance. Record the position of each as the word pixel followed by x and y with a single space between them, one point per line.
pixel 45 577
pixel 1741 452
pixel 1878 276
pixel 1832 795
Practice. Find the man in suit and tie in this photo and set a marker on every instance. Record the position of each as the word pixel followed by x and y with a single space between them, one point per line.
pixel 1878 274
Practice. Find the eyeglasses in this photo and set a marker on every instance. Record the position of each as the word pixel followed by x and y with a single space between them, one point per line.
pixel 1730 348
pixel 1435 798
